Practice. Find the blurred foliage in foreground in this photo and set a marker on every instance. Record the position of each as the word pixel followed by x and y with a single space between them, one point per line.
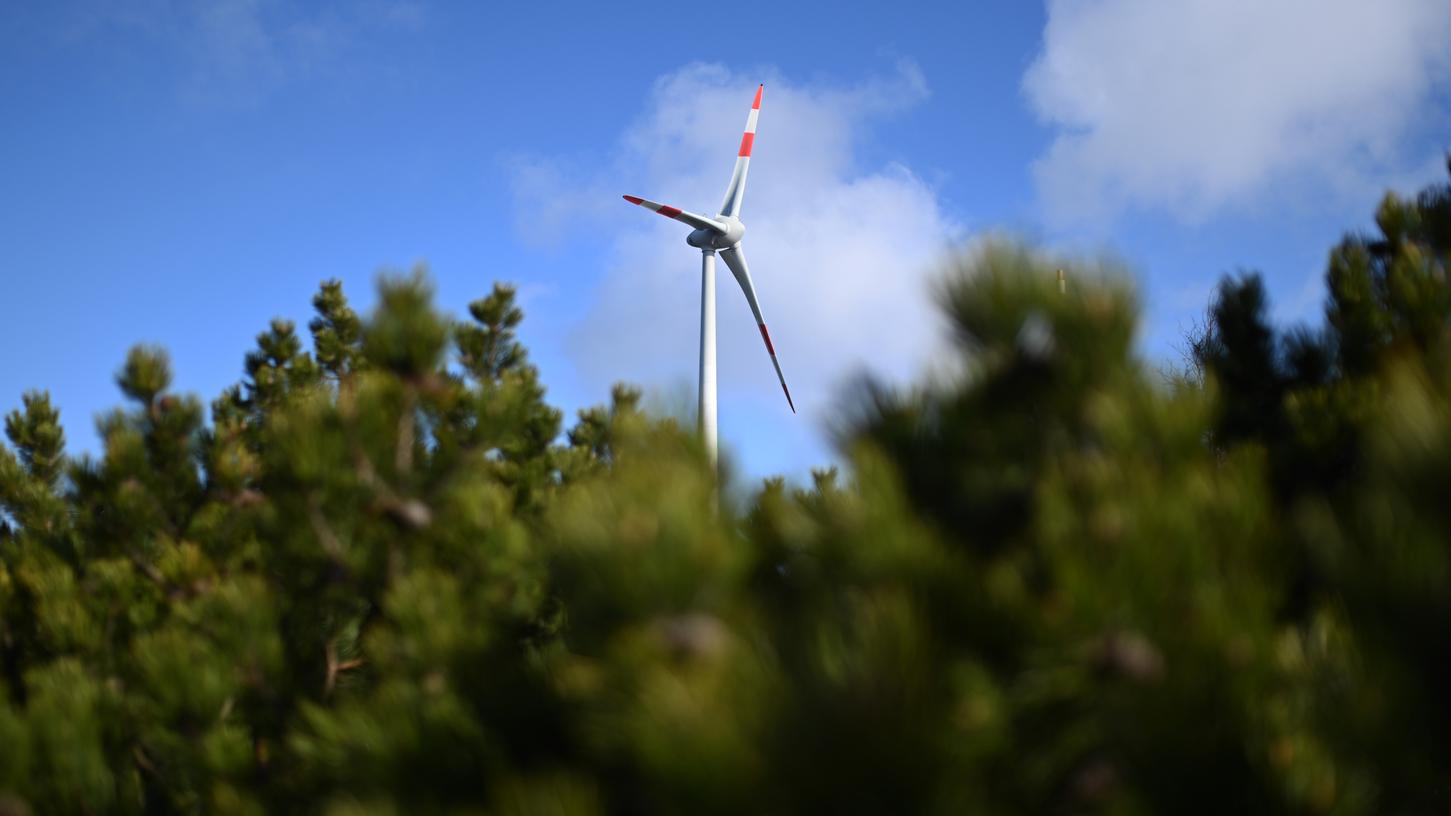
pixel 379 582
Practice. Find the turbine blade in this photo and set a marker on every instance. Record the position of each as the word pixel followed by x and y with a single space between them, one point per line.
pixel 736 190
pixel 697 221
pixel 736 260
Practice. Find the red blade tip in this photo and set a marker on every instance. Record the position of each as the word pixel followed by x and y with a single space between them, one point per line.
pixel 756 105
pixel 633 199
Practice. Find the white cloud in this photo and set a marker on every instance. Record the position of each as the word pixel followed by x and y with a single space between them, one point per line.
pixel 237 52
pixel 842 255
pixel 1193 105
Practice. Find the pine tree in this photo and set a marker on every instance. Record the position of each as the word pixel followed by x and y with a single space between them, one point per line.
pixel 1351 421
pixel 385 579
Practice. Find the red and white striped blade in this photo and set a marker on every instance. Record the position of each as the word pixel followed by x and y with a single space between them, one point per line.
pixel 694 220
pixel 736 190
pixel 736 260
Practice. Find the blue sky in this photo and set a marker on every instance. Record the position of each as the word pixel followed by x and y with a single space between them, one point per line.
pixel 181 172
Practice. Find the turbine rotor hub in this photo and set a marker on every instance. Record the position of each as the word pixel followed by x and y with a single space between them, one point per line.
pixel 710 239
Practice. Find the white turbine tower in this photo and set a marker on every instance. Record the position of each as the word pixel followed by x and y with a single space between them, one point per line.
pixel 722 233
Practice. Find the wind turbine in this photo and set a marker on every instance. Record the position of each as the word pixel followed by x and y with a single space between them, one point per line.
pixel 722 233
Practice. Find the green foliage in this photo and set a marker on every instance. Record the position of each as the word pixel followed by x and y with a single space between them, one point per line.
pixel 335 331
pixel 1354 423
pixel 385 579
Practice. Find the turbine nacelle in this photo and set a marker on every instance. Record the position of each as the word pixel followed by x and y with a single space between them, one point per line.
pixel 711 238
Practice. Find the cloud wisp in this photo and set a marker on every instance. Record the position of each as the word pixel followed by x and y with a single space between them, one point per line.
pixel 238 52
pixel 842 255
pixel 1196 105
